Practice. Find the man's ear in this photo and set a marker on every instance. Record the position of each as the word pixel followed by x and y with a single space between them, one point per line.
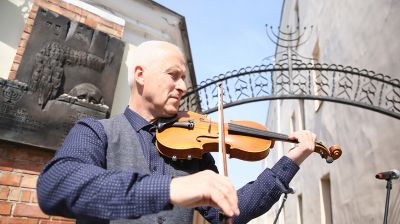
pixel 138 74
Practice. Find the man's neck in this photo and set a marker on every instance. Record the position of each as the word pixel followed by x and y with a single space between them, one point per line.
pixel 142 111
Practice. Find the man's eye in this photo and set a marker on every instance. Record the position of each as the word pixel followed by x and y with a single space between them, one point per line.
pixel 174 75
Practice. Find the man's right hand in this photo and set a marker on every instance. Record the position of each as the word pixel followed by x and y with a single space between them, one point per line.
pixel 205 188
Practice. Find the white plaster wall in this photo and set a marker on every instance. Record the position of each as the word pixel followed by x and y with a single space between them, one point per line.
pixel 122 90
pixel 12 19
pixel 362 34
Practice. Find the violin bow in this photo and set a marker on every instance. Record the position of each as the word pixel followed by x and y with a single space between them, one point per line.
pixel 221 131
pixel 221 141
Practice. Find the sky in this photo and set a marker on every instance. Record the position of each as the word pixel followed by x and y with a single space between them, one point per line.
pixel 227 35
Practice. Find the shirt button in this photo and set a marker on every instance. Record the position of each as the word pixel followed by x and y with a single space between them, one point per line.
pixel 154 169
pixel 285 168
pixel 160 219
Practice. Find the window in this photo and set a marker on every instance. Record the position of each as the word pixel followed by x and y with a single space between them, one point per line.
pixel 325 199
pixel 293 126
pixel 297 119
pixel 300 209
pixel 297 21
pixel 316 76
pixel 302 123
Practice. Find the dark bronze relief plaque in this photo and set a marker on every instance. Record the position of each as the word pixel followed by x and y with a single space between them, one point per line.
pixel 68 71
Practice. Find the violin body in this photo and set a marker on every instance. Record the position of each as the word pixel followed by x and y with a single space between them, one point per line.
pixel 186 143
pixel 190 135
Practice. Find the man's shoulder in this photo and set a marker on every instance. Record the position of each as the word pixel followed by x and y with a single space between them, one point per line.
pixel 98 125
pixel 89 124
pixel 90 121
pixel 116 125
pixel 112 120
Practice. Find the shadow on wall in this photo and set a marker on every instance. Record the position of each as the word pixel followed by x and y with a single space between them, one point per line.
pixel 12 22
pixel 122 90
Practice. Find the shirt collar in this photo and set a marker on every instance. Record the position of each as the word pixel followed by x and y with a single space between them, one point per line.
pixel 137 121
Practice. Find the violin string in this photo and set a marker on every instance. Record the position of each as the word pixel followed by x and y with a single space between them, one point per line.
pixel 249 130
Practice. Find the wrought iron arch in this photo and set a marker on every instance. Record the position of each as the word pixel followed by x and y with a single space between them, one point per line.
pixel 291 78
pixel 336 83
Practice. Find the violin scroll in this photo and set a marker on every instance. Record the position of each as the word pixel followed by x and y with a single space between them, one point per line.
pixel 331 154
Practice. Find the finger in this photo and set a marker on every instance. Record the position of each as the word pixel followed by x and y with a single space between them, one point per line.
pixel 292 136
pixel 297 135
pixel 222 202
pixel 306 139
pixel 230 193
pixel 205 188
pixel 303 135
pixel 223 193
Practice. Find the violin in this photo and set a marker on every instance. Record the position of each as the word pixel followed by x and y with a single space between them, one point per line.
pixel 189 135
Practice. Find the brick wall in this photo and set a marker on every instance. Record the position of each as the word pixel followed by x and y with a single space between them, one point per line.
pixel 20 166
pixel 70 11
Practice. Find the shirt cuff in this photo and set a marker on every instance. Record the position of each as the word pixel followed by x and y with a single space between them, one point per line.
pixel 154 191
pixel 285 169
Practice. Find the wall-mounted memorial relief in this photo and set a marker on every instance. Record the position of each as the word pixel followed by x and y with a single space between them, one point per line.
pixel 68 71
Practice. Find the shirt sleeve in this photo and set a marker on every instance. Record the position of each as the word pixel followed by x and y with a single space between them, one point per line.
pixel 76 184
pixel 257 197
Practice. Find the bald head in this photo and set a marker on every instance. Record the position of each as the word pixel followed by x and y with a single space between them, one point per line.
pixel 158 80
pixel 149 53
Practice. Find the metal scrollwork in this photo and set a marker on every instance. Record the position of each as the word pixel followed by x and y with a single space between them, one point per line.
pixel 337 83
pixel 297 77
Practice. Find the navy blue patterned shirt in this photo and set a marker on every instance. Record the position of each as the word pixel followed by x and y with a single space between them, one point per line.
pixel 76 184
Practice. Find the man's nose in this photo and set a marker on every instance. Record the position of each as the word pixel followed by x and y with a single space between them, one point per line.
pixel 181 86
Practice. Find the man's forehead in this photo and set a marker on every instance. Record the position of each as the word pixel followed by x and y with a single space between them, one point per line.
pixel 173 64
pixel 175 67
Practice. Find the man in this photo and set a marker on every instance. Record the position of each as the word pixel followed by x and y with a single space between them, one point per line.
pixel 110 169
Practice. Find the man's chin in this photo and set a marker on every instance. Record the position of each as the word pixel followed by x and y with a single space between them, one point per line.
pixel 170 112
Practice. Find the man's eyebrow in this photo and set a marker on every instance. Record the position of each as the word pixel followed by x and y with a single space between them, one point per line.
pixel 174 69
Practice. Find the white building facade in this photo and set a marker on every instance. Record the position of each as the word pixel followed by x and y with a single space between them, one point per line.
pixel 362 34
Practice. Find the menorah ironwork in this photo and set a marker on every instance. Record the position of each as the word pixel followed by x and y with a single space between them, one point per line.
pixel 296 77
